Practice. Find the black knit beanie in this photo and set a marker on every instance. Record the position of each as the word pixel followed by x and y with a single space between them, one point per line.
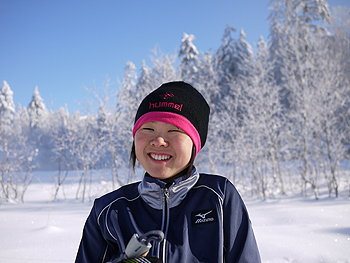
pixel 180 104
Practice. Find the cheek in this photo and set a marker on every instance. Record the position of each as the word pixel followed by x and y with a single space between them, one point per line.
pixel 186 148
pixel 140 143
pixel 137 149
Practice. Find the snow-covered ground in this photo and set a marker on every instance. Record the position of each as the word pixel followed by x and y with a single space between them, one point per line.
pixel 287 230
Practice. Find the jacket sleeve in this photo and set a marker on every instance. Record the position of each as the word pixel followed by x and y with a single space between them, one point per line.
pixel 93 247
pixel 239 239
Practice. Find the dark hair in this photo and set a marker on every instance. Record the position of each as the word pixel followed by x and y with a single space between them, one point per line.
pixel 187 170
pixel 133 156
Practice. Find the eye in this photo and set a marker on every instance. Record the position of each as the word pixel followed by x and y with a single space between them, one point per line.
pixel 176 130
pixel 147 129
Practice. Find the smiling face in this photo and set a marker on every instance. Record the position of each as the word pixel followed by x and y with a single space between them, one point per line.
pixel 162 149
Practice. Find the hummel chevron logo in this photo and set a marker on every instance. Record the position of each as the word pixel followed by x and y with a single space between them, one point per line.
pixel 167 95
pixel 203 217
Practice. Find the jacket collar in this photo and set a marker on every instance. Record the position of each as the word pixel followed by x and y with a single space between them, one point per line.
pixel 152 190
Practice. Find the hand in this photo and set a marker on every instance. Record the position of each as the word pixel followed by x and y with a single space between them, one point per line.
pixel 143 255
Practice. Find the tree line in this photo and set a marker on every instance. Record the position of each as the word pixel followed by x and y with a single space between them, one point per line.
pixel 279 123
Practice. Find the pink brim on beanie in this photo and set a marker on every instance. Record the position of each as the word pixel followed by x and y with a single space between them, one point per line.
pixel 172 118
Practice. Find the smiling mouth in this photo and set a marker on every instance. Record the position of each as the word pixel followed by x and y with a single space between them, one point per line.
pixel 160 157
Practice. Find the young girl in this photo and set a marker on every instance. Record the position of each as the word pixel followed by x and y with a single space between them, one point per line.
pixel 202 216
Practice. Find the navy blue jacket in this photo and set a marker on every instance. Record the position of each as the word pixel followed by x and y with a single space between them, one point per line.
pixel 203 218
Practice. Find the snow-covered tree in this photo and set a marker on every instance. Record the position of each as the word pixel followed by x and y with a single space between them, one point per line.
pixel 233 57
pixel 126 96
pixel 168 70
pixel 87 153
pixel 128 102
pixel 16 153
pixel 64 134
pixel 331 101
pixel 253 128
pixel 244 55
pixel 39 134
pixel 145 82
pixel 293 23
pixel 7 106
pixel 8 140
pixel 7 97
pixel 37 110
pixel 163 70
pixel 23 116
pixel 226 63
pixel 340 29
pixel 340 51
pixel 107 121
pixel 296 30
pixel 207 84
pixel 188 56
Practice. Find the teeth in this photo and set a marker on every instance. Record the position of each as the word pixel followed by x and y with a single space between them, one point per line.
pixel 160 157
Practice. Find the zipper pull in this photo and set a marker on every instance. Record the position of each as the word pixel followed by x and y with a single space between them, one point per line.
pixel 166 194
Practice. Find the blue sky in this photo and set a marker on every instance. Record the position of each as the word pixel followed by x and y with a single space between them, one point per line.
pixel 63 45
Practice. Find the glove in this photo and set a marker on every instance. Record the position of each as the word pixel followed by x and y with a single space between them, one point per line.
pixel 142 260
pixel 138 247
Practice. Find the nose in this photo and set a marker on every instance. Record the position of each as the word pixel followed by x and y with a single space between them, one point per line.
pixel 159 141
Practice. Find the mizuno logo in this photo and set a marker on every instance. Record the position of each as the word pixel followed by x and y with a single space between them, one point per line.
pixel 203 217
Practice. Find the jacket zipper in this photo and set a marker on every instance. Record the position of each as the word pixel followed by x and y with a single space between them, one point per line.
pixel 165 221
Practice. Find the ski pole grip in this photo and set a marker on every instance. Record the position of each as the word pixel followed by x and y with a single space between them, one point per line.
pixel 135 248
